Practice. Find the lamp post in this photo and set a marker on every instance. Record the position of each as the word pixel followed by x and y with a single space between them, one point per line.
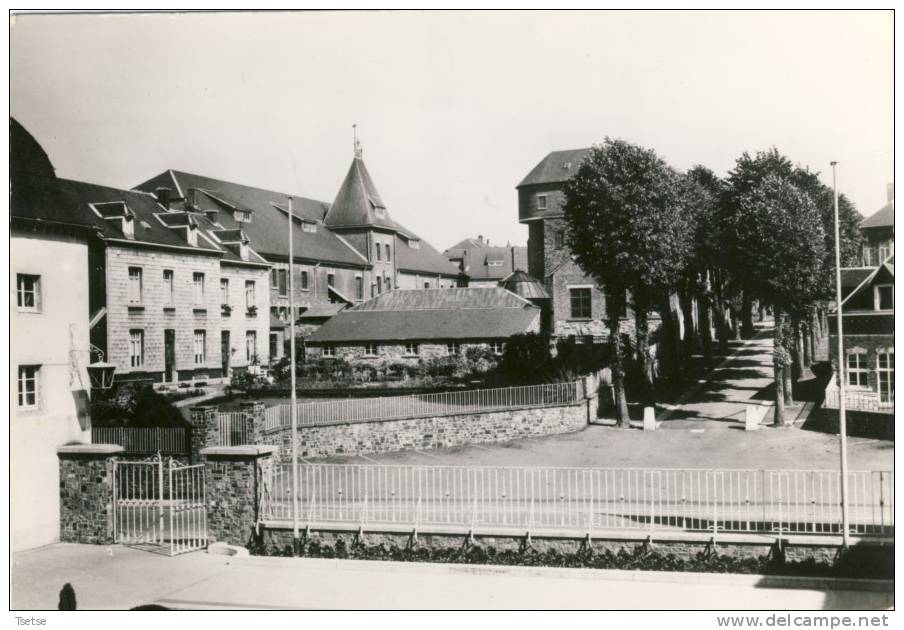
pixel 842 419
pixel 294 410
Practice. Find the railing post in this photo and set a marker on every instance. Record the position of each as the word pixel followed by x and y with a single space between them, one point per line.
pixel 161 493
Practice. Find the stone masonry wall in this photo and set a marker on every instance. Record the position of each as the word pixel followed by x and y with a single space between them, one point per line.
pixel 233 485
pixel 86 495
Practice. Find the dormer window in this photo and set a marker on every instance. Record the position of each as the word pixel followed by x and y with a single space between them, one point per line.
pixel 191 235
pixel 494 263
pixel 307 226
pixel 414 244
pixel 242 216
pixel 541 202
pixel 128 227
pixel 243 250
pixel 884 297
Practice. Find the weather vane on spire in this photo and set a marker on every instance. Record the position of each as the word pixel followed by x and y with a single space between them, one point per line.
pixel 358 151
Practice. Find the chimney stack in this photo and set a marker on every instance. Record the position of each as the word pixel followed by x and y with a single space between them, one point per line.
pixel 890 192
pixel 163 196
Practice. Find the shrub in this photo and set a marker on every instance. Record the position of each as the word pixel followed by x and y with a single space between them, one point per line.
pixel 524 355
pixel 134 405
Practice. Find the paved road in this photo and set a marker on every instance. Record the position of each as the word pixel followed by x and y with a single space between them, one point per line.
pixel 120 578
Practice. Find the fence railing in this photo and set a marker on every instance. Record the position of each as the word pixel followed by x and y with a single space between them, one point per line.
pixel 859 401
pixel 423 405
pixel 583 499
pixel 144 440
pixel 234 428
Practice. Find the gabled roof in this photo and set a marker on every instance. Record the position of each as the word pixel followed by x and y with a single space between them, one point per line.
pixel 423 259
pixel 34 190
pixel 558 166
pixel 269 226
pixel 477 256
pixel 460 298
pixel 853 277
pixel 436 314
pixel 884 217
pixel 357 203
pixel 883 273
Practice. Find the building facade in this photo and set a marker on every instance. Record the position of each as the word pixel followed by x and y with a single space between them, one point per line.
pixel 49 345
pixel 414 325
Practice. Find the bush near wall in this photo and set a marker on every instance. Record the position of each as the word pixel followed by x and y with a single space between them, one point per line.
pixel 134 405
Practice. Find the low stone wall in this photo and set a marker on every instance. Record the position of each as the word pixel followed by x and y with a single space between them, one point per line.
pixel 86 493
pixel 860 423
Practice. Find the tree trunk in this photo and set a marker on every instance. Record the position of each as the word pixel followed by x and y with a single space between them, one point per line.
pixel 686 303
pixel 813 332
pixel 736 323
pixel 644 358
pixel 706 331
pixel 778 368
pixel 788 357
pixel 618 369
pixel 747 315
pixel 797 368
pixel 807 335
pixel 761 311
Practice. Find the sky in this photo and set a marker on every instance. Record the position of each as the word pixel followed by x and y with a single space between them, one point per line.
pixel 452 109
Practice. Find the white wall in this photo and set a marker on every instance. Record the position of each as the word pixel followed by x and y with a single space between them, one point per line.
pixel 44 339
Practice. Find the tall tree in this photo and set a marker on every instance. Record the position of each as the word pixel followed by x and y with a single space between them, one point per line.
pixel 777 230
pixel 629 230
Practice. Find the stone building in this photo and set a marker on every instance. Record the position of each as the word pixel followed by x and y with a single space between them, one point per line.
pixel 175 296
pixel 49 346
pixel 344 253
pixel 484 265
pixel 410 325
pixel 879 233
pixel 577 302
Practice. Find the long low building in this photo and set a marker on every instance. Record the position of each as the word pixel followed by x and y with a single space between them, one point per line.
pixel 409 325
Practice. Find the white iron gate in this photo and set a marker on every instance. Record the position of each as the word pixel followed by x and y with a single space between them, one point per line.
pixel 160 504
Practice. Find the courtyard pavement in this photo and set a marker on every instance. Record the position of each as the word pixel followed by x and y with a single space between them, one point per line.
pixel 119 578
pixel 704 428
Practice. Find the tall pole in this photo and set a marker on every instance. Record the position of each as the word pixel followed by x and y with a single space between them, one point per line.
pixel 842 417
pixel 294 408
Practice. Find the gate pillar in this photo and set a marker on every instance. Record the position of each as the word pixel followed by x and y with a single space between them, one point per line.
pixel 86 492
pixel 235 478
pixel 205 430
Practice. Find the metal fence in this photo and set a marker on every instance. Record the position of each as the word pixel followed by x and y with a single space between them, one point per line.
pixel 141 440
pixel 583 499
pixel 859 401
pixel 234 428
pixel 424 405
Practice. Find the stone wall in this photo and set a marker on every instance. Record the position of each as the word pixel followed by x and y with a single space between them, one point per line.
pixel 396 352
pixel 865 424
pixel 86 493
pixel 234 483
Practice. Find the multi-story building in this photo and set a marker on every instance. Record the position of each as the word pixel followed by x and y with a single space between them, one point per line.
pixel 410 325
pixel 175 296
pixel 344 252
pixel 49 347
pixel 485 265
pixel 577 302
pixel 868 320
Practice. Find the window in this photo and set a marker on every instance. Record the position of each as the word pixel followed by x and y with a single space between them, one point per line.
pixel 370 350
pixel 359 287
pixel 250 345
pixel 134 285
pixel 200 347
pixel 886 374
pixel 868 256
pixel 373 290
pixel 169 289
pixel 412 349
pixel 541 202
pixel 414 244
pixel 494 263
pixel 28 386
pixel 28 292
pixel 580 303
pixel 426 284
pixel 379 285
pixel 250 298
pixel 857 372
pixel 884 297
pixel 331 279
pixel 136 348
pixel 497 346
pixel 304 280
pixel 282 284
pixel 559 238
pixel 198 289
pixel 453 348
pixel 224 290
pixel 307 226
pixel 329 351
pixel 242 216
pixel 388 253
pixel 886 250
pixel 388 284
pixel 377 250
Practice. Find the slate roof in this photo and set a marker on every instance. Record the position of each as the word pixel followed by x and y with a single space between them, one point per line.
pixel 525 286
pixel 884 217
pixel 269 224
pixel 34 189
pixel 435 314
pixel 552 169
pixel 358 201
pixel 476 256
pixel 152 223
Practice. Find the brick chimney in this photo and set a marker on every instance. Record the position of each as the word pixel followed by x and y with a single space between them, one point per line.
pixel 163 196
